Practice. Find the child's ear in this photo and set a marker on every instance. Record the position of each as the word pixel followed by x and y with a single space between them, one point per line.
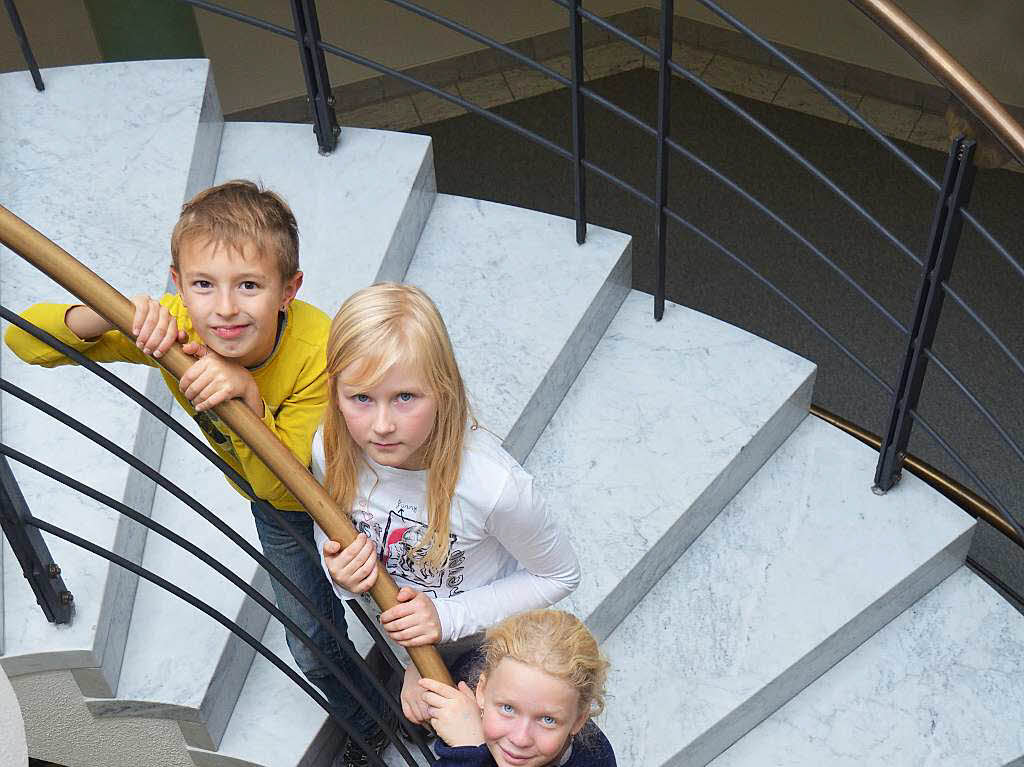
pixel 480 690
pixel 580 721
pixel 291 287
pixel 176 278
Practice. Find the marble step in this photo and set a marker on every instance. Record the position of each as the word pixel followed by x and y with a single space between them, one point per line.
pixel 275 724
pixel 524 305
pixel 665 423
pixel 798 570
pixel 100 162
pixel 941 684
pixel 360 212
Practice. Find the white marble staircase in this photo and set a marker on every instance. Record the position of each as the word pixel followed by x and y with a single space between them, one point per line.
pixel 732 552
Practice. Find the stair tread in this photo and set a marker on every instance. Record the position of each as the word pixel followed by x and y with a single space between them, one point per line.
pixel 89 187
pixel 664 424
pixel 924 690
pixel 802 566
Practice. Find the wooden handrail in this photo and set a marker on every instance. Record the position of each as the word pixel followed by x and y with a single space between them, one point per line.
pixel 947 70
pixel 99 295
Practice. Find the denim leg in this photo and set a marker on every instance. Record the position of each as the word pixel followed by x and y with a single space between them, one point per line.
pixel 295 562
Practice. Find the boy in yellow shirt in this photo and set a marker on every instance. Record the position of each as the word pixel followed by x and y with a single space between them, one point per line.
pixel 235 264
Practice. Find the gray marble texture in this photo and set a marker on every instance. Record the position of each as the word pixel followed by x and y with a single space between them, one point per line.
pixel 801 567
pixel 665 423
pixel 360 209
pixel 106 186
pixel 941 684
pixel 518 295
pixel 178 662
pixel 301 735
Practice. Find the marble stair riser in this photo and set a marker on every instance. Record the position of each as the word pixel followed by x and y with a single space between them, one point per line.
pixel 802 566
pixel 659 410
pixel 106 155
pixel 926 689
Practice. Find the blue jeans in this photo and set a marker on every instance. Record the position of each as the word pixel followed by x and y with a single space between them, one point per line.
pixel 296 563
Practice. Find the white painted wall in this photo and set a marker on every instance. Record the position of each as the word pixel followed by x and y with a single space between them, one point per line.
pixel 13 748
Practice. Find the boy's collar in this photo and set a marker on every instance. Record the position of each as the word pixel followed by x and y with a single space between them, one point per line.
pixel 282 323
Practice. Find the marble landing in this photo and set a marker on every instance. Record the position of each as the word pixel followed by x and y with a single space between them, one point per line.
pixel 178 662
pixel 275 724
pixel 799 569
pixel 100 162
pixel 360 209
pixel 524 305
pixel 941 684
pixel 664 424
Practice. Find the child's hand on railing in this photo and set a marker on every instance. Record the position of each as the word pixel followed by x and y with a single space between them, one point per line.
pixel 214 379
pixel 413 706
pixel 414 621
pixel 154 327
pixel 454 713
pixel 354 568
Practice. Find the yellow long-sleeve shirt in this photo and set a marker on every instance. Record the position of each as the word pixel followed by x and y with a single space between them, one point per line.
pixel 292 382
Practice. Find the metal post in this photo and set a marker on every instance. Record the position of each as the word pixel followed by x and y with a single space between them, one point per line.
pixel 942 243
pixel 26 49
pixel 314 68
pixel 29 547
pixel 664 115
pixel 578 138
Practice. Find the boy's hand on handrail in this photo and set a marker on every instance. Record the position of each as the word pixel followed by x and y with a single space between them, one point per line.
pixel 214 379
pixel 354 568
pixel 413 705
pixel 154 327
pixel 414 621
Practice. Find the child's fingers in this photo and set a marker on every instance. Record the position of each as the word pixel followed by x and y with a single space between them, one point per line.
pixel 193 349
pixel 439 689
pixel 397 612
pixel 331 548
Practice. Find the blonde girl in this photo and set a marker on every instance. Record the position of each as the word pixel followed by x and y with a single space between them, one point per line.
pixel 436 500
pixel 542 680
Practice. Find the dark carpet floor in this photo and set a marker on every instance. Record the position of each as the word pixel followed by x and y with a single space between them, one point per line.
pixel 478 159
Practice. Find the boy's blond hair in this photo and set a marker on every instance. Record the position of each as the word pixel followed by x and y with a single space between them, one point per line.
pixel 236 213
pixel 557 643
pixel 375 329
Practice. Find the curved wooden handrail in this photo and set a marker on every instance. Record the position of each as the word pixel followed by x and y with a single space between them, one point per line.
pixel 948 71
pixel 966 499
pixel 92 290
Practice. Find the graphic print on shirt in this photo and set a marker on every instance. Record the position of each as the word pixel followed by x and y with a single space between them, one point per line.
pixel 395 544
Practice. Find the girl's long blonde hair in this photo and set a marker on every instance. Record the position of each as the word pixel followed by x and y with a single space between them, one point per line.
pixel 557 643
pixel 376 328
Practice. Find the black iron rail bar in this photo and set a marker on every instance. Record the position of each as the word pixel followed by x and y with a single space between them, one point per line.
pixel 221 569
pixel 245 18
pixel 578 126
pixel 664 125
pixel 733 107
pixel 854 115
pixel 959 461
pixel 223 620
pixel 26 48
pixel 983 325
pixel 189 501
pixel 314 70
pixel 942 244
pixel 33 554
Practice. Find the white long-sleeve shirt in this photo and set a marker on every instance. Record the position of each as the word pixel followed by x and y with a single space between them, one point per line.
pixel 506 555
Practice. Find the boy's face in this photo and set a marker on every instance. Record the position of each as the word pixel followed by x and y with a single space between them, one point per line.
pixel 233 297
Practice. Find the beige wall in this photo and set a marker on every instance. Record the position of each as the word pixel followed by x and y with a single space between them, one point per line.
pixel 986 36
pixel 253 67
pixel 58 30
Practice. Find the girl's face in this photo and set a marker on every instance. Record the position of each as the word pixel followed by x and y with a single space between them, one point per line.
pixel 528 715
pixel 392 420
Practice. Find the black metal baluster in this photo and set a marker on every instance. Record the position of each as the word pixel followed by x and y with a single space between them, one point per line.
pixel 942 244
pixel 26 49
pixel 664 115
pixel 314 68
pixel 28 545
pixel 578 138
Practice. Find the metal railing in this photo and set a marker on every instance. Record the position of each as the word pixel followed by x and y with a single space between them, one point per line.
pixel 952 194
